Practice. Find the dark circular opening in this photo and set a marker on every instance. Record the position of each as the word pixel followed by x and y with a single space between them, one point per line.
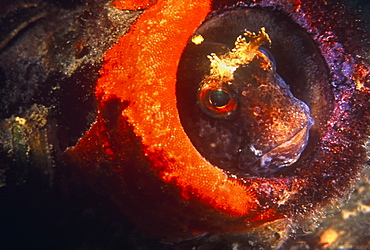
pixel 298 62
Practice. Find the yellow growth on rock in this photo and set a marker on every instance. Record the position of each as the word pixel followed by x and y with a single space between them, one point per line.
pixel 224 66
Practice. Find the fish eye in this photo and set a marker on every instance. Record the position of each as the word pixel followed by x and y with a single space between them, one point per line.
pixel 218 102
pixel 219 98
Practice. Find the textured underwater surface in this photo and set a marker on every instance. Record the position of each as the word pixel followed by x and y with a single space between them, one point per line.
pixel 33 217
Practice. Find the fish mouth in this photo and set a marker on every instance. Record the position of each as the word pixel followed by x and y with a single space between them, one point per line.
pixel 288 152
pixel 270 161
